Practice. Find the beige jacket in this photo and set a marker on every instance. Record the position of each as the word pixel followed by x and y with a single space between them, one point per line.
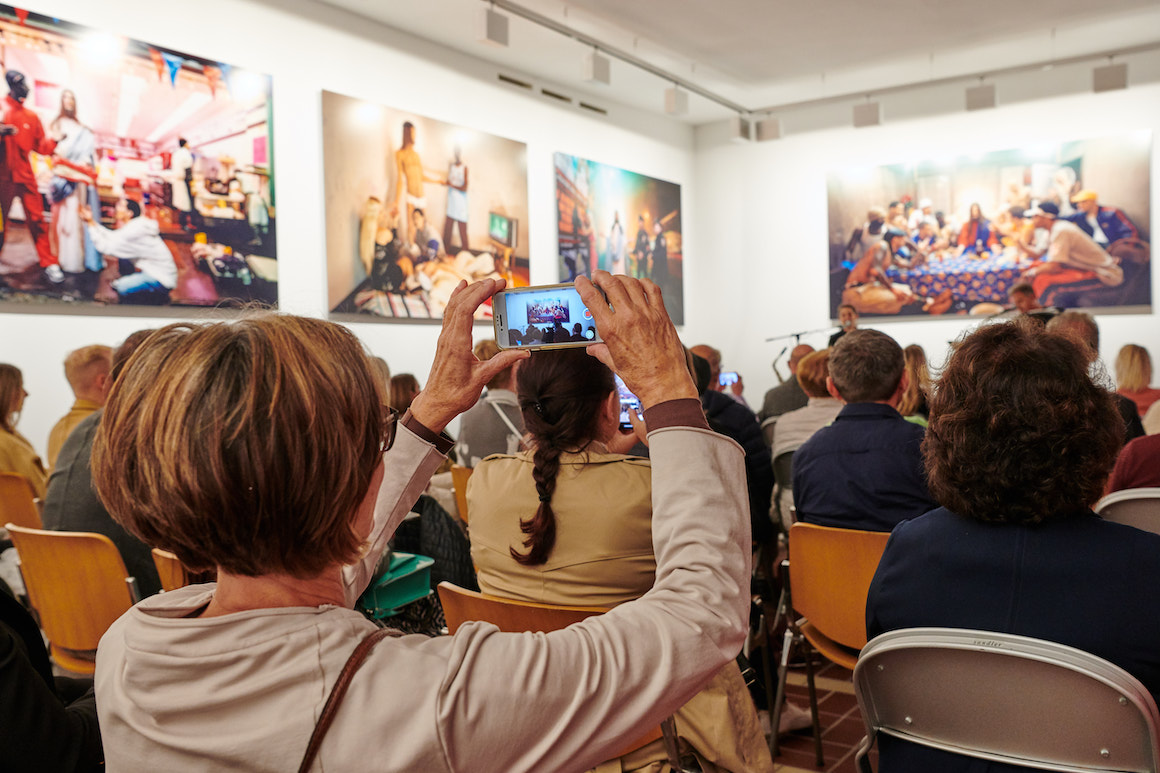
pixel 17 455
pixel 243 691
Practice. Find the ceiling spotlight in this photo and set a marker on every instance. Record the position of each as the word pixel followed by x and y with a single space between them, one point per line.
pixel 981 97
pixel 768 129
pixel 493 28
pixel 597 68
pixel 867 114
pixel 676 101
pixel 1110 77
pixel 740 129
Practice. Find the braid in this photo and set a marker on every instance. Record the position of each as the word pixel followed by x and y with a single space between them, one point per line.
pixel 540 529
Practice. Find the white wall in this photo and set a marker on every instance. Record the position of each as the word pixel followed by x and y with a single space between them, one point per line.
pixel 308 48
pixel 762 212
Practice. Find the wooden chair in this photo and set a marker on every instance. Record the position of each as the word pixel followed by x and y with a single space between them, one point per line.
pixel 78 585
pixel 829 572
pixel 461 605
pixel 459 477
pixel 1138 507
pixel 171 571
pixel 1007 699
pixel 18 502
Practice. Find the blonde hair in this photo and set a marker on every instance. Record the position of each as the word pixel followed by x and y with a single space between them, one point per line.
pixel 11 386
pixel 918 389
pixel 1133 368
pixel 83 365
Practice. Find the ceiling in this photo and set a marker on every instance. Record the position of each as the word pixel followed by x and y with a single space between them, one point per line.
pixel 764 53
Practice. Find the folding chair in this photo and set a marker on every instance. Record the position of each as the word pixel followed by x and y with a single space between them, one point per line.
pixel 461 605
pixel 459 477
pixel 829 572
pixel 170 569
pixel 78 586
pixel 1138 507
pixel 1005 698
pixel 18 502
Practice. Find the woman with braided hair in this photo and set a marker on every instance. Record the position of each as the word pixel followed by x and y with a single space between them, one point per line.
pixel 569 522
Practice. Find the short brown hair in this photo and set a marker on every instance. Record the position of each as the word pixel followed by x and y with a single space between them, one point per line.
pixel 11 384
pixel 866 366
pixel 812 372
pixel 1019 432
pixel 1022 288
pixel 246 446
pixel 1080 327
pixel 82 365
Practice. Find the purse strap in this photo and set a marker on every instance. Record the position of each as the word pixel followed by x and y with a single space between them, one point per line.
pixel 338 692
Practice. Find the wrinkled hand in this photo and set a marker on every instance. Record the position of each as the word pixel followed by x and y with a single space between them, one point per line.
pixel 640 342
pixel 457 376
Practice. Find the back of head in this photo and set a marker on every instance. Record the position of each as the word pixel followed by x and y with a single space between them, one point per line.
pixel 710 355
pixel 866 366
pixel 87 369
pixel 404 388
pixel 383 371
pixel 812 372
pixel 1019 432
pixel 1133 368
pixel 560 393
pixel 123 352
pixel 702 372
pixel 797 354
pixel 11 385
pixel 918 385
pixel 1081 328
pixel 247 446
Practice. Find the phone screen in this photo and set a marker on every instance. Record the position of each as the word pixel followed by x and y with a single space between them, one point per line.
pixel 727 377
pixel 543 317
pixel 628 402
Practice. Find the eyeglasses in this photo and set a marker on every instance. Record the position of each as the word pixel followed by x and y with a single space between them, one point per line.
pixel 390 424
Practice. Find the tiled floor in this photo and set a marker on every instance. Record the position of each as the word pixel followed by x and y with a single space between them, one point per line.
pixel 842 728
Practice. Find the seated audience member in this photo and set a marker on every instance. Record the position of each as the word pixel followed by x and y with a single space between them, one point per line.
pixel 913 405
pixel 1081 328
pixel 1138 465
pixel 16 453
pixel 47 723
pixel 796 427
pixel 570 523
pixel 1020 443
pixel 713 357
pixel 292 495
pixel 734 420
pixel 789 395
pixel 494 425
pixel 87 371
pixel 1105 225
pixel 864 471
pixel 136 239
pixel 383 371
pixel 404 389
pixel 847 321
pixel 71 504
pixel 1152 419
pixel 1134 376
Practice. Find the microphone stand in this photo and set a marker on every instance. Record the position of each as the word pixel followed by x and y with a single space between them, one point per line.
pixel 797 339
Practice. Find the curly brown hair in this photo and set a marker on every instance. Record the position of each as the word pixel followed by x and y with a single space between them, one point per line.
pixel 1019 433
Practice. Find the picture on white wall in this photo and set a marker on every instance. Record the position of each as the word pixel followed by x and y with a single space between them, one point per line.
pixel 413 206
pixel 130 174
pixel 622 222
pixel 953 236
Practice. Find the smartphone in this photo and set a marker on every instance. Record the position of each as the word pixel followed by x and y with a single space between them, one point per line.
pixel 544 317
pixel 727 378
pixel 628 402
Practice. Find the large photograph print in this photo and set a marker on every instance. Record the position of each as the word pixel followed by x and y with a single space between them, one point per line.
pixel 621 222
pixel 130 174
pixel 414 206
pixel 1072 220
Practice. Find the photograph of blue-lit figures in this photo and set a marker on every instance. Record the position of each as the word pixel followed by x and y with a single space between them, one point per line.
pixel 1071 221
pixel 622 222
pixel 132 175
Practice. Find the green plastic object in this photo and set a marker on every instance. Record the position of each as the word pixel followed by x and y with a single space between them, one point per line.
pixel 407 579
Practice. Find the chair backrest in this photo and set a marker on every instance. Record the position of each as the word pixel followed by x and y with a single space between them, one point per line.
pixel 459 477
pixel 1007 698
pixel 170 570
pixel 1138 507
pixel 767 430
pixel 18 501
pixel 78 585
pixel 830 572
pixel 461 605
pixel 783 469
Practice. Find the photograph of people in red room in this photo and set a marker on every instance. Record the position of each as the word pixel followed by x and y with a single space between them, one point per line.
pixel 414 206
pixel 130 174
pixel 1058 225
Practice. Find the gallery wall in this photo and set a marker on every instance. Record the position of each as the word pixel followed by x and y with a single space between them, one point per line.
pixel 307 48
pixel 762 208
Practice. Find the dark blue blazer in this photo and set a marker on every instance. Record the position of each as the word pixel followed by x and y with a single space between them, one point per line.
pixel 1080 581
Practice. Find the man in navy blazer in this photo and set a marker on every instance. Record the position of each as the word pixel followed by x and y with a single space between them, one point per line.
pixel 1020 443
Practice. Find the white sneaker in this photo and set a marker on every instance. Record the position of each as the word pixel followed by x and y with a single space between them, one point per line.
pixel 793 718
pixel 54 274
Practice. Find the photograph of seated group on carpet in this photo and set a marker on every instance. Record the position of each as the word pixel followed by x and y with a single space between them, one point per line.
pixel 620 222
pixel 413 206
pixel 130 174
pixel 1070 220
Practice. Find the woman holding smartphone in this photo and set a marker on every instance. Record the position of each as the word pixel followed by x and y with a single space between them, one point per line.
pixel 569 522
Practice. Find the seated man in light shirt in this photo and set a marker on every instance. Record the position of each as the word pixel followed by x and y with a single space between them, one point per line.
pixel 136 239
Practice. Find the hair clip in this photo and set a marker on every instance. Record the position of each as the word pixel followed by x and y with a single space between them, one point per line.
pixel 545 497
pixel 539 408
